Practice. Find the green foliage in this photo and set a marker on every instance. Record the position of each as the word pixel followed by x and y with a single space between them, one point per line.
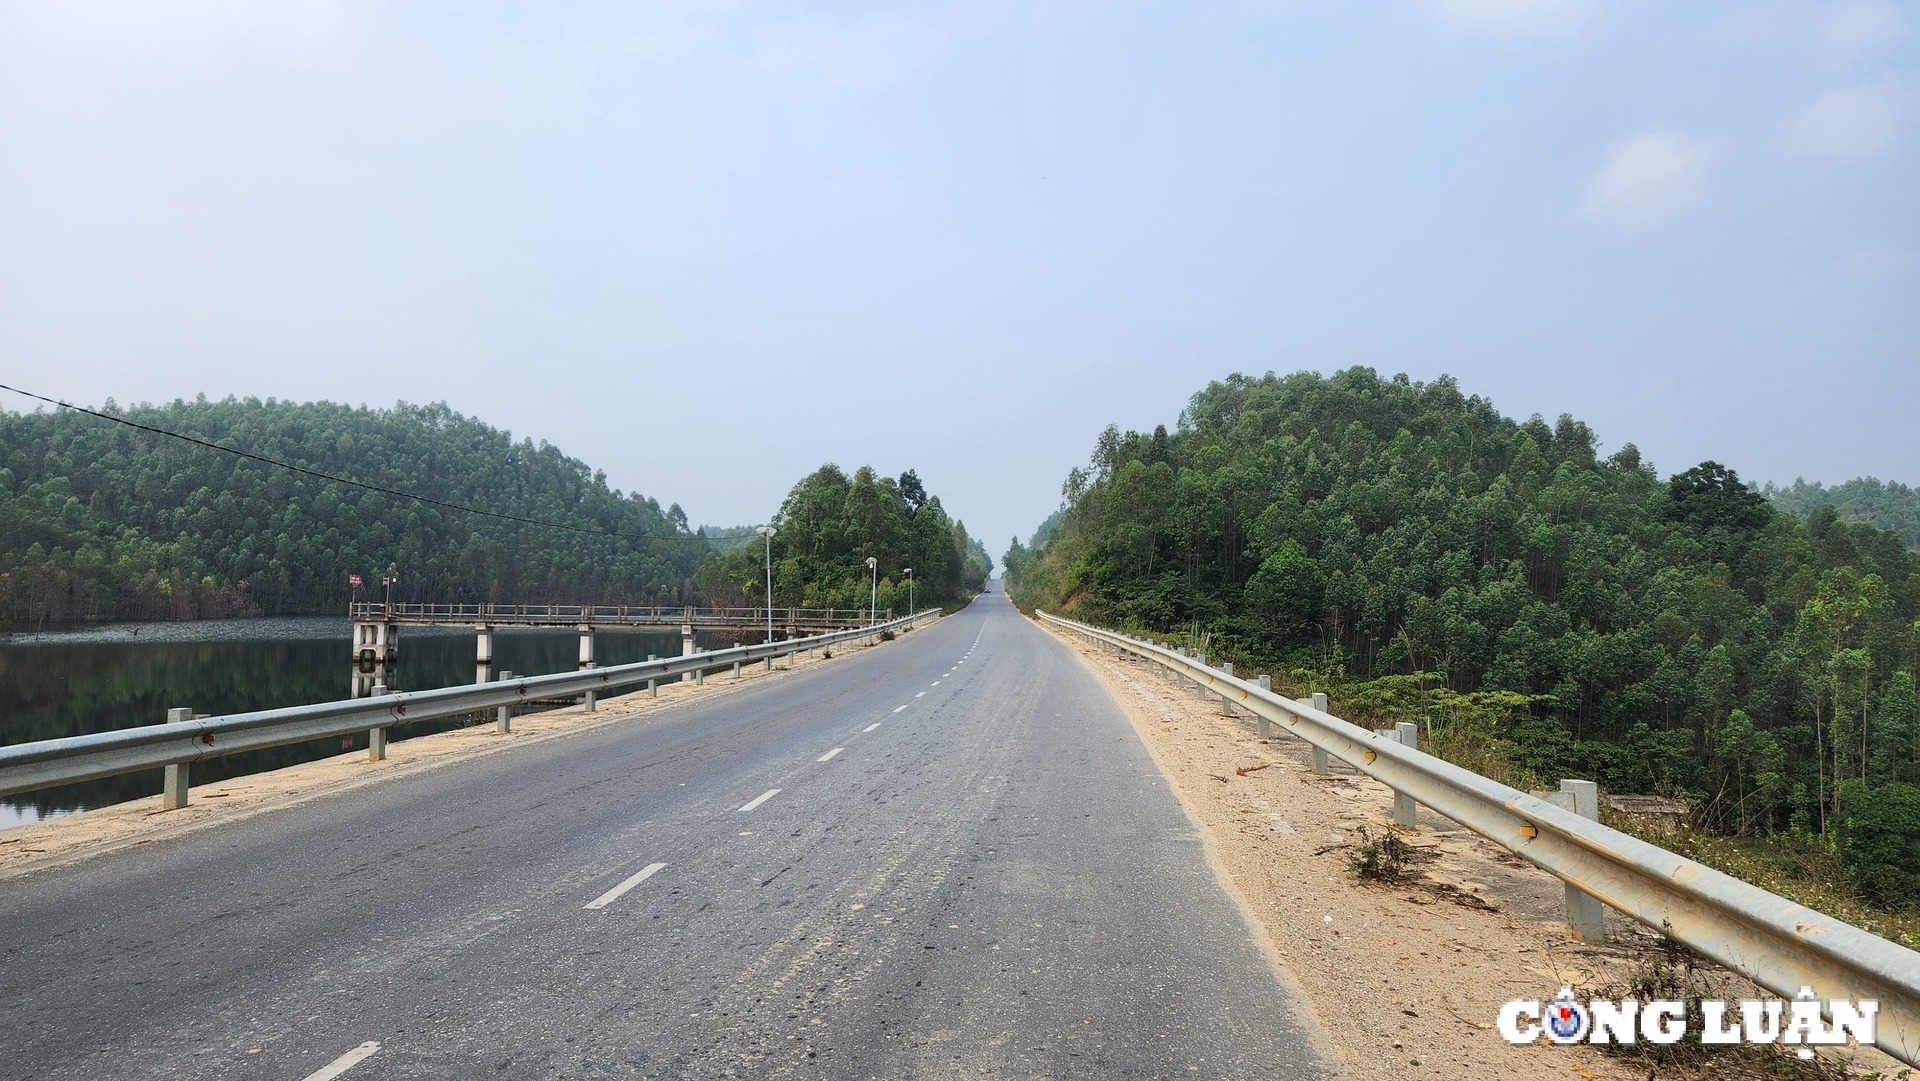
pixel 1379 859
pixel 1534 606
pixel 828 527
pixel 1864 499
pixel 100 521
pixel 1881 831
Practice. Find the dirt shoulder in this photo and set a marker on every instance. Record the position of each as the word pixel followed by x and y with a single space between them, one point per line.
pixel 51 842
pixel 1408 976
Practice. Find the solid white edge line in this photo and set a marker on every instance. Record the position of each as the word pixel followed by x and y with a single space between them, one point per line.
pixel 345 1062
pixel 760 799
pixel 829 754
pixel 876 724
pixel 613 894
pixel 898 708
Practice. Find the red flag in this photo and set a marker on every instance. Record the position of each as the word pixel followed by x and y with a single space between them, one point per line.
pixel 353 580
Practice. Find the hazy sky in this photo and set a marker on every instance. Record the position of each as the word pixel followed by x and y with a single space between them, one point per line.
pixel 707 247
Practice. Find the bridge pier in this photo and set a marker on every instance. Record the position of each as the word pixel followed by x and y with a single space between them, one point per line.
pixel 366 681
pixel 376 642
pixel 483 655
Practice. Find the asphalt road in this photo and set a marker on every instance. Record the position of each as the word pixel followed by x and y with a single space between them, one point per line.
pixel 947 857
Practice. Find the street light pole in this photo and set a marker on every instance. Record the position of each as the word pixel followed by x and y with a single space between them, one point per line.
pixel 873 604
pixel 909 573
pixel 767 531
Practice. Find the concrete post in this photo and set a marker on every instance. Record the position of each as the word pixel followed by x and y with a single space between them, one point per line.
pixel 1226 696
pixel 377 737
pixel 593 697
pixel 1407 734
pixel 173 790
pixel 1586 917
pixel 653 685
pixel 1261 726
pixel 699 677
pixel 586 647
pixel 686 649
pixel 483 654
pixel 504 722
pixel 736 669
pixel 1321 764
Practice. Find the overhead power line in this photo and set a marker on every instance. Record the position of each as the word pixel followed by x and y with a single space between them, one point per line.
pixel 329 476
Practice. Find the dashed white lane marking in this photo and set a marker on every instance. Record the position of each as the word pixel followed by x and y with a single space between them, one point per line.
pixel 761 798
pixel 829 754
pixel 935 683
pixel 876 724
pixel 922 694
pixel 899 707
pixel 613 894
pixel 345 1062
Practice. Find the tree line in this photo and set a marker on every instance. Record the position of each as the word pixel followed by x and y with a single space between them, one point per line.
pixel 827 528
pixel 99 521
pixel 1523 598
pixel 1889 505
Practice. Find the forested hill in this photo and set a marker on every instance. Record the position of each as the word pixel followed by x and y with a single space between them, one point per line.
pixel 1889 505
pixel 1504 584
pixel 827 529
pixel 101 521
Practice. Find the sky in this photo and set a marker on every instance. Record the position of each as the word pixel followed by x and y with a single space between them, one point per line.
pixel 707 247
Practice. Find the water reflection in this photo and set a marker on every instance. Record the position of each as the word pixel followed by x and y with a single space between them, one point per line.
pixel 104 678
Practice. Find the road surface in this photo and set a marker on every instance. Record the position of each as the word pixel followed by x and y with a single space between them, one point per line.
pixel 949 857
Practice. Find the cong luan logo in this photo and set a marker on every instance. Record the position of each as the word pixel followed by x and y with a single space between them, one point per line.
pixel 1804 1021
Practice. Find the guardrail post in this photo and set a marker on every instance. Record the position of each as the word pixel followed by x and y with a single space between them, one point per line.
pixel 1586 917
pixel 653 685
pixel 736 669
pixel 1261 726
pixel 1321 764
pixel 593 697
pixel 377 736
pixel 1407 734
pixel 504 722
pixel 173 791
pixel 1226 703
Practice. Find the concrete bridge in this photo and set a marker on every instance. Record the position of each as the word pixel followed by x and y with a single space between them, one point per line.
pixel 376 626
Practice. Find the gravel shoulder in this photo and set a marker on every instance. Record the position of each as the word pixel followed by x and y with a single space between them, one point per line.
pixel 1408 977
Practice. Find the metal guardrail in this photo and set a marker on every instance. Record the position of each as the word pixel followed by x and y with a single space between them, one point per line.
pixel 602 614
pixel 27 767
pixel 1779 944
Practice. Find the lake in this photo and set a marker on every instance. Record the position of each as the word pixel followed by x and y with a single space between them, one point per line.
pixel 97 679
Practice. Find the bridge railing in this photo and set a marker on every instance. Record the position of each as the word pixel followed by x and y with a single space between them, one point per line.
pixel 27 767
pixel 662 615
pixel 1778 943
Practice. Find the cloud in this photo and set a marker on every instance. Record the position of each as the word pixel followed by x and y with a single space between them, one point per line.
pixel 1850 29
pixel 1649 179
pixel 1853 123
pixel 1516 18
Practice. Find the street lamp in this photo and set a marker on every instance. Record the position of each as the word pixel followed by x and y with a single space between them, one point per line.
pixel 873 604
pixel 767 531
pixel 909 573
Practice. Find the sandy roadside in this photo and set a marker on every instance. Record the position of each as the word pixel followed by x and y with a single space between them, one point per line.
pixel 37 846
pixel 1407 977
